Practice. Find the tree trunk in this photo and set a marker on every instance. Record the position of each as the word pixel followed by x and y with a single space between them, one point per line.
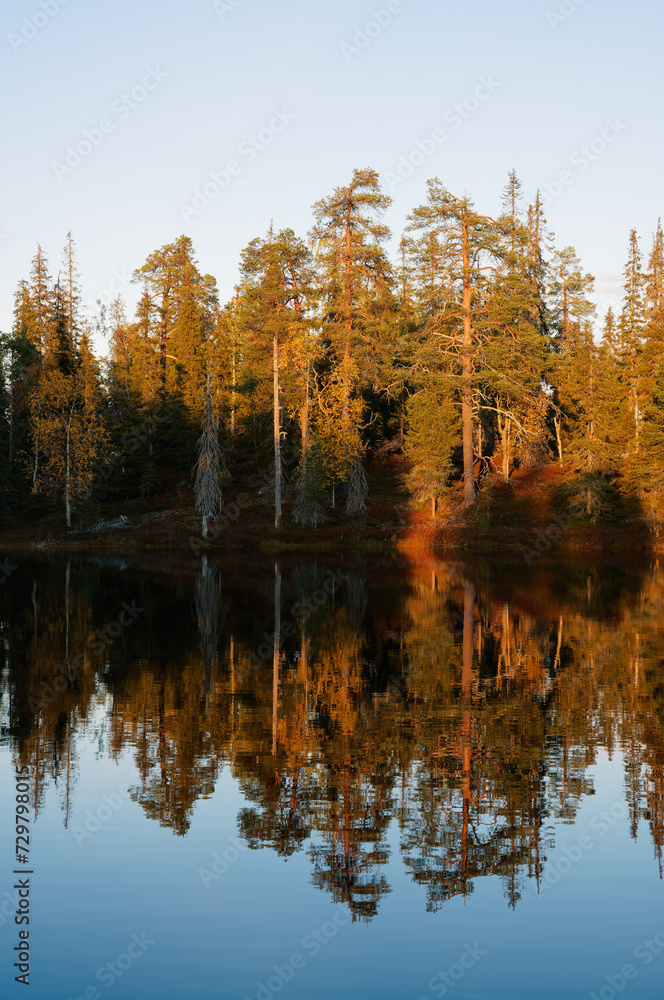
pixel 234 363
pixel 304 423
pixel 276 656
pixel 636 418
pixel 434 508
pixel 468 637
pixel 556 421
pixel 506 449
pixel 467 384
pixel 163 337
pixel 348 305
pixel 11 414
pixel 68 477
pixel 504 426
pixel 35 469
pixel 277 440
pixel 204 531
pixel 233 393
pixel 466 718
pixel 67 579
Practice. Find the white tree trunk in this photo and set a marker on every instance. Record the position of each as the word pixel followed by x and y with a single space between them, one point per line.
pixel 36 466
pixel 559 440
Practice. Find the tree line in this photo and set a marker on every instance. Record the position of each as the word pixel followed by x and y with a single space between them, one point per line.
pixel 475 352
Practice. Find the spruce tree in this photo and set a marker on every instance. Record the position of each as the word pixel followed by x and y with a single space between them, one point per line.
pixel 572 312
pixel 631 334
pixel 210 466
pixel 433 432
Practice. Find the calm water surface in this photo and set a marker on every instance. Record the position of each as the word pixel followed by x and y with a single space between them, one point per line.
pixel 438 780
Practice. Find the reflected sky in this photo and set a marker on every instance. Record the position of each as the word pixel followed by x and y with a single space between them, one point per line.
pixel 388 779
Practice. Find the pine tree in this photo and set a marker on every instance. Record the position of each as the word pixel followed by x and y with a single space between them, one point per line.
pixel 175 327
pixel 356 291
pixel 468 242
pixel 276 282
pixel 516 349
pixel 186 304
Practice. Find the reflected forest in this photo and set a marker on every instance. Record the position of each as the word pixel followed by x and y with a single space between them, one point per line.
pixel 447 703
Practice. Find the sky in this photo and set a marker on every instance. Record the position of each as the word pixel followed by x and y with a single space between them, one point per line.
pixel 132 122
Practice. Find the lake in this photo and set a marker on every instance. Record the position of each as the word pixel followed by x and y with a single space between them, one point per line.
pixel 342 778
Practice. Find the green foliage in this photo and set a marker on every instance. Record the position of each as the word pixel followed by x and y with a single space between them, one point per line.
pixel 477 349
pixel 433 433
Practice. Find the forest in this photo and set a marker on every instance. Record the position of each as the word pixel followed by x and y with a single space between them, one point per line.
pixel 474 353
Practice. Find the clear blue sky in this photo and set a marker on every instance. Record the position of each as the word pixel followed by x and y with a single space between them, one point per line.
pixel 551 82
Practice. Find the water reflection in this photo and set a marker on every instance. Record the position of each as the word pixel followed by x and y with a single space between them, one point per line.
pixel 465 704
